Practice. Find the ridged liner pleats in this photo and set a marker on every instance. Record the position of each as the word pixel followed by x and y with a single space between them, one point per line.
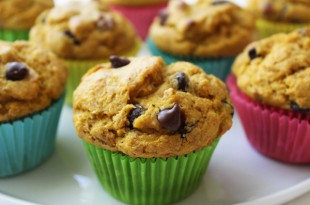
pixel 278 134
pixel 154 181
pixel 26 143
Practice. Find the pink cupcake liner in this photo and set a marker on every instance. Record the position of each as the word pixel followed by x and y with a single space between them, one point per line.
pixel 140 16
pixel 279 134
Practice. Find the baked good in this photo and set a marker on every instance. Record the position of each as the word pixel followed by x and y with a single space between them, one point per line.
pixel 17 17
pixel 270 94
pixel 139 110
pixel 84 35
pixel 32 83
pixel 140 12
pixel 278 16
pixel 201 33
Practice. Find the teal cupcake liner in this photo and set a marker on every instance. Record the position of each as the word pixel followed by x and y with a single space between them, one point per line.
pixel 13 35
pixel 28 142
pixel 154 181
pixel 218 66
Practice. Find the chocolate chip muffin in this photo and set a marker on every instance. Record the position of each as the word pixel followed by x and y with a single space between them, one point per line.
pixel 30 79
pixel 77 31
pixel 280 15
pixel 270 92
pixel 32 83
pixel 275 71
pixel 17 17
pixel 143 108
pixel 84 35
pixel 207 33
pixel 139 115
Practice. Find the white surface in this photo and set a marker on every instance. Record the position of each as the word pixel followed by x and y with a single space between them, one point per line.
pixel 237 174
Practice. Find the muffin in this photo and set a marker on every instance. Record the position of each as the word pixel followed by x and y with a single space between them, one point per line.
pixel 270 93
pixel 84 35
pixel 150 129
pixel 32 83
pixel 17 17
pixel 208 34
pixel 278 16
pixel 140 12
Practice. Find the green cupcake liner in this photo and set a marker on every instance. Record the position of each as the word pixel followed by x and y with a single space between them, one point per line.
pixel 267 28
pixel 218 66
pixel 77 68
pixel 28 142
pixel 13 35
pixel 154 181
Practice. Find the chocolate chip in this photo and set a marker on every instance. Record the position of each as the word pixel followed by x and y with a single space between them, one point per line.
pixel 268 9
pixel 182 81
pixel 253 54
pixel 134 114
pixel 72 36
pixel 117 61
pixel 296 107
pixel 16 71
pixel 219 2
pixel 163 16
pixel 170 119
pixel 104 23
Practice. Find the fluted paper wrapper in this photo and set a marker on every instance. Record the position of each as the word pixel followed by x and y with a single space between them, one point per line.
pixel 278 134
pixel 140 16
pixel 28 142
pixel 267 28
pixel 13 35
pixel 155 181
pixel 218 66
pixel 77 68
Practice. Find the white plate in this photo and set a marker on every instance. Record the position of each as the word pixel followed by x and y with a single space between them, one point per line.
pixel 237 174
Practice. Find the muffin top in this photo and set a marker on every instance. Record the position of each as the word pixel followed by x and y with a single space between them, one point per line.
pixel 276 71
pixel 30 79
pixel 204 29
pixel 134 2
pixel 143 108
pixel 296 11
pixel 83 31
pixel 21 14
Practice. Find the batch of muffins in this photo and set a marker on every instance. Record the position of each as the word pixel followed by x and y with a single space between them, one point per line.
pixel 150 124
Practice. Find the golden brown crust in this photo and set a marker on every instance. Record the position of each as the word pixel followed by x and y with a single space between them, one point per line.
pixel 203 29
pixel 83 31
pixel 44 83
pixel 104 99
pixel 280 74
pixel 21 14
pixel 296 11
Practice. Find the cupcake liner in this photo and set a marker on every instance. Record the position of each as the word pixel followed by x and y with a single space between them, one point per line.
pixel 28 142
pixel 267 28
pixel 77 68
pixel 140 16
pixel 154 181
pixel 13 35
pixel 218 66
pixel 278 134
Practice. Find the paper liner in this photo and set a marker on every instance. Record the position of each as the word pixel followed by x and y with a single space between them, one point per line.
pixel 140 16
pixel 220 67
pixel 279 134
pixel 267 28
pixel 77 68
pixel 155 181
pixel 13 35
pixel 28 142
